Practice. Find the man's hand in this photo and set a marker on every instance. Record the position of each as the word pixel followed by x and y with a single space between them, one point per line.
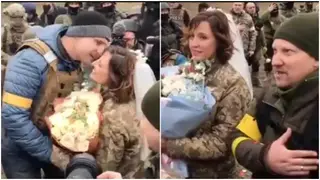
pixel 290 162
pixel 110 175
pixel 272 7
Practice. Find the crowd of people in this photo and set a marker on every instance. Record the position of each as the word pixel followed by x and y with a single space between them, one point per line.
pixel 89 46
pixel 93 46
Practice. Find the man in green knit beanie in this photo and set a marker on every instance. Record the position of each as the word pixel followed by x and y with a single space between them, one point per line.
pixel 151 109
pixel 280 139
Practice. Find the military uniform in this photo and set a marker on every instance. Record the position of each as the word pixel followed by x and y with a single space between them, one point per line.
pixel 267 120
pixel 205 151
pixel 180 16
pixel 171 34
pixel 307 9
pixel 254 60
pixel 12 34
pixel 270 25
pixel 247 31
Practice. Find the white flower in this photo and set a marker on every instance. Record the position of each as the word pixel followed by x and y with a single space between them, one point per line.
pixel 141 58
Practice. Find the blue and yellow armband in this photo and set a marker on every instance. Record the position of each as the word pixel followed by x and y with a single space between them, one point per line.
pixel 17 101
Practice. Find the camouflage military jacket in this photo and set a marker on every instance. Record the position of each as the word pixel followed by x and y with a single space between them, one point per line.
pixel 177 15
pixel 206 151
pixel 121 142
pixel 12 38
pixel 247 30
pixel 271 24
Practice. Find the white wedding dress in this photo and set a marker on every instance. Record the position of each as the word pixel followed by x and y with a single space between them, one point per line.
pixel 143 80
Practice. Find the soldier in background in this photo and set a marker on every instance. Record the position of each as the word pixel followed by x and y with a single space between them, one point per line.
pixel 246 28
pixel 150 20
pixel 127 29
pixel 271 20
pixel 108 9
pixel 179 15
pixel 50 13
pixel 170 31
pixel 32 16
pixel 203 7
pixel 307 8
pixel 12 35
pixel 287 9
pixel 91 5
pixel 253 10
pixel 149 33
pixel 73 8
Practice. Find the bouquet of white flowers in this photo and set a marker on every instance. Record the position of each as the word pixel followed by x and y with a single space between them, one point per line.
pixel 76 121
pixel 185 103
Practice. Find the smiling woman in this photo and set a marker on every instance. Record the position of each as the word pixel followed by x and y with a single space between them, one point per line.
pixel 208 39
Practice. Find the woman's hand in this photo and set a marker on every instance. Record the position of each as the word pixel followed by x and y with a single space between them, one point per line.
pixel 290 162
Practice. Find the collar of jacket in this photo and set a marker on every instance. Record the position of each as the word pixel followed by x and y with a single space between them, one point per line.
pixel 237 14
pixel 297 96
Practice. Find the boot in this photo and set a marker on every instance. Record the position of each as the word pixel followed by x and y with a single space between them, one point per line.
pixel 255 79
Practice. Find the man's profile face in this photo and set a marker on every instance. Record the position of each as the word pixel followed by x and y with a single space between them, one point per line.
pixel 89 49
pixel 129 38
pixel 291 65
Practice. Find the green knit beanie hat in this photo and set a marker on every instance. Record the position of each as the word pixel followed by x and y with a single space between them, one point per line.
pixel 151 105
pixel 303 31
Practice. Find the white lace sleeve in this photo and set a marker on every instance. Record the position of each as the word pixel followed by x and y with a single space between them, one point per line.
pixel 143 81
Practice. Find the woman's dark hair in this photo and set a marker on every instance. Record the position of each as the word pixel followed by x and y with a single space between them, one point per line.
pixel 121 71
pixel 219 25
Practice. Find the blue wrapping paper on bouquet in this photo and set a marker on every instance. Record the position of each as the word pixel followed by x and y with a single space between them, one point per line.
pixel 183 113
